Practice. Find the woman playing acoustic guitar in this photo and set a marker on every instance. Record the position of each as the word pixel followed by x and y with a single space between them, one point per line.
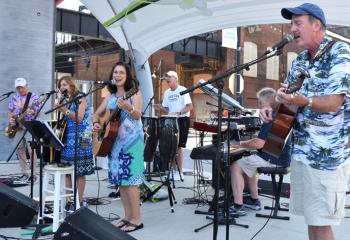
pixel 126 153
pixel 84 151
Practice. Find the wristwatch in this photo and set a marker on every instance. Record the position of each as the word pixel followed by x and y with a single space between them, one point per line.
pixel 309 102
pixel 67 112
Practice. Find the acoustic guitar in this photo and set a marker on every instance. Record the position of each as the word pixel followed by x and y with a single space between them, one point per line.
pixel 282 124
pixel 104 139
pixel 59 128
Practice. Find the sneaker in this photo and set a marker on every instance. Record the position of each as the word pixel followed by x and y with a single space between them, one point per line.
pixel 248 203
pixel 22 179
pixel 237 211
pixel 69 208
pixel 29 180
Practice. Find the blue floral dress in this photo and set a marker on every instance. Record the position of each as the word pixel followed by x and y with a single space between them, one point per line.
pixel 126 157
pixel 85 165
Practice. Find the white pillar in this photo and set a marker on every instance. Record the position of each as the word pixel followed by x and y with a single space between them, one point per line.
pixel 143 75
pixel 27 50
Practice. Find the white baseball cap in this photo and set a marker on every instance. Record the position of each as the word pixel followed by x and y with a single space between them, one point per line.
pixel 171 74
pixel 20 82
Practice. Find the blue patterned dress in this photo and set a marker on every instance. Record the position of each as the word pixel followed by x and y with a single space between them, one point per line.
pixel 85 158
pixel 126 157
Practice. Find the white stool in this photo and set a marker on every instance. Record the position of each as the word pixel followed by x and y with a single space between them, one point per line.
pixel 59 191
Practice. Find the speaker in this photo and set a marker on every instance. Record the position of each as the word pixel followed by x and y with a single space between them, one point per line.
pixel 16 209
pixel 85 224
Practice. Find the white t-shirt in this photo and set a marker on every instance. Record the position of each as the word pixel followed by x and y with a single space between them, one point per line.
pixel 176 102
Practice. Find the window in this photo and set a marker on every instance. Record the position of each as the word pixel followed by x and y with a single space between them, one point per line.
pixel 290 58
pixel 250 53
pixel 272 68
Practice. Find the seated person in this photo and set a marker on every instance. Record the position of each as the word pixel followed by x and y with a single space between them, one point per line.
pixel 248 165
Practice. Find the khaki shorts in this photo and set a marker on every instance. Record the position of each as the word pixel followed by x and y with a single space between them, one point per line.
pixel 251 163
pixel 318 195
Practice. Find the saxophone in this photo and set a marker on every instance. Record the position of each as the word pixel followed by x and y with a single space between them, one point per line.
pixel 11 130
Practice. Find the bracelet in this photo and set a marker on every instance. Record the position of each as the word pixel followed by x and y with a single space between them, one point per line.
pixel 67 112
pixel 132 110
pixel 309 102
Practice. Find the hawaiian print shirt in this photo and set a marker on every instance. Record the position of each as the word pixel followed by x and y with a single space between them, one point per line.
pixel 321 139
pixel 16 104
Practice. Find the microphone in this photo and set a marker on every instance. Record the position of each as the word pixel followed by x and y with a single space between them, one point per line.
pixel 113 82
pixel 159 64
pixel 7 94
pixel 50 93
pixel 285 40
pixel 211 104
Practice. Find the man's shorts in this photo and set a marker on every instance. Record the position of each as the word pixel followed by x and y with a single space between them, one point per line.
pixel 251 163
pixel 184 126
pixel 318 195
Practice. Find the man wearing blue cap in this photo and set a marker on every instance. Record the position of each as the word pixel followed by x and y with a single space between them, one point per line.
pixel 320 163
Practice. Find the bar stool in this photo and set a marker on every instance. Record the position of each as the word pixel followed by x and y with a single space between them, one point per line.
pixel 59 191
pixel 277 189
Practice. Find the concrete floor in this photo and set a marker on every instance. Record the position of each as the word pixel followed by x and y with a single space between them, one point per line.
pixel 160 223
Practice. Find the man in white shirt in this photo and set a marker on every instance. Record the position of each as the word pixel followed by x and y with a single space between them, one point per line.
pixel 180 105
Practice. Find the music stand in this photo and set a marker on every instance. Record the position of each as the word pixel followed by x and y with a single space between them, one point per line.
pixel 45 137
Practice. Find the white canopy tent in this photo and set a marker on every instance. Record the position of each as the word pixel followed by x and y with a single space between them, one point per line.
pixel 143 27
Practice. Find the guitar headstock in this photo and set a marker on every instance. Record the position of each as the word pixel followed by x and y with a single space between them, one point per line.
pixel 301 73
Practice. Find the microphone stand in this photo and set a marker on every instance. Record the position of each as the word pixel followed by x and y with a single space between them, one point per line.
pixel 5 96
pixel 76 101
pixel 148 105
pixel 36 146
pixel 220 84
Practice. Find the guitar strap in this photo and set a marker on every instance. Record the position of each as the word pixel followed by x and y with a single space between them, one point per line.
pixel 29 95
pixel 324 50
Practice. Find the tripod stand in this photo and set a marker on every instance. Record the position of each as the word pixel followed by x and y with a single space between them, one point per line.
pixel 171 195
pixel 219 80
pixel 44 137
pixel 168 143
pixel 225 157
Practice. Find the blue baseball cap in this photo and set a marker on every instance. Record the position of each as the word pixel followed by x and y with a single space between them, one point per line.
pixel 305 9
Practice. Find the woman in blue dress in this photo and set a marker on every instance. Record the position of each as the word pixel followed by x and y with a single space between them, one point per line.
pixel 84 149
pixel 126 156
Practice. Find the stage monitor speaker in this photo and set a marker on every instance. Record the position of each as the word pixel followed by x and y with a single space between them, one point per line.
pixel 16 209
pixel 85 224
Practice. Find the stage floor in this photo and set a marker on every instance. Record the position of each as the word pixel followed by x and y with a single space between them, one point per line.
pixel 161 224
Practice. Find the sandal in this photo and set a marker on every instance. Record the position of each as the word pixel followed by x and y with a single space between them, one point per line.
pixel 130 227
pixel 122 223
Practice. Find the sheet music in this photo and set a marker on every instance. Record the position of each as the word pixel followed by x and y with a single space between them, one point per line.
pixel 227 101
pixel 52 133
